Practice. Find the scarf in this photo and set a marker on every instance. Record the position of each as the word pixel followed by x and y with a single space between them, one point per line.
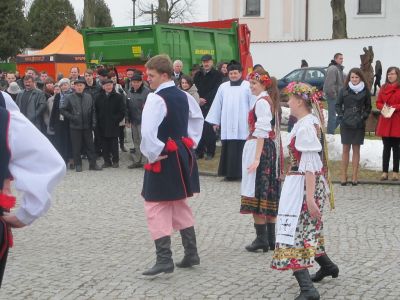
pixel 357 88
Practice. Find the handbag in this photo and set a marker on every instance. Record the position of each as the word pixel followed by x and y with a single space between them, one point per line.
pixel 387 111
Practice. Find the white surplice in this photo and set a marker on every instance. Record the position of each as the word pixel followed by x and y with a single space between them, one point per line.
pixel 292 194
pixel 153 114
pixel 35 165
pixel 230 110
pixel 262 129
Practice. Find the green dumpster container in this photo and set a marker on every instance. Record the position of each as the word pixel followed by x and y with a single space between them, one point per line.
pixel 134 45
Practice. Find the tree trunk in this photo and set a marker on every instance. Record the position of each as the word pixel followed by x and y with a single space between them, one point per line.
pixel 339 30
pixel 163 12
pixel 88 13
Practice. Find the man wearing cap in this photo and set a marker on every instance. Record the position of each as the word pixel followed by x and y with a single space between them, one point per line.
pixel 129 74
pixel 79 109
pixel 207 81
pixel 136 99
pixel 110 110
pixel 230 110
pixel 102 76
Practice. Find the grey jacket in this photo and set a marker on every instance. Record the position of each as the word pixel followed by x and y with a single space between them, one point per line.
pixel 34 108
pixel 80 110
pixel 135 103
pixel 334 81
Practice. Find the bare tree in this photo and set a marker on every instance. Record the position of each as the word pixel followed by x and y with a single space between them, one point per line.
pixel 339 30
pixel 166 11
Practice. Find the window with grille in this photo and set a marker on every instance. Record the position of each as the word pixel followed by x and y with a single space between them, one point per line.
pixel 370 6
pixel 253 8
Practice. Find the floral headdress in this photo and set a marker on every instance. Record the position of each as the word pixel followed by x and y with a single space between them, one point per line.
pixel 305 91
pixel 264 79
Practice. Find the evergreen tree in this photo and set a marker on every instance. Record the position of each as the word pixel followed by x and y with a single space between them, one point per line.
pixel 47 18
pixel 95 14
pixel 13 28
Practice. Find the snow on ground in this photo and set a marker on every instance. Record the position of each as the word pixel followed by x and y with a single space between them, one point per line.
pixel 370 156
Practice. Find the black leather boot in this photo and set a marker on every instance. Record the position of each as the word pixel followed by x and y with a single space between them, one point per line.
pixel 164 263
pixel 271 235
pixel 307 289
pixel 261 241
pixel 191 257
pixel 328 268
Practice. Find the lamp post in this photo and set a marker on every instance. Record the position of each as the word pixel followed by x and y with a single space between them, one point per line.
pixel 134 12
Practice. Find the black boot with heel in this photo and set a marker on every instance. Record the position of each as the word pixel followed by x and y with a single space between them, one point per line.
pixel 271 235
pixel 164 263
pixel 328 268
pixel 191 257
pixel 307 289
pixel 261 241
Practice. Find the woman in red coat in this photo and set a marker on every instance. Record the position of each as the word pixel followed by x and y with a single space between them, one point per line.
pixel 389 127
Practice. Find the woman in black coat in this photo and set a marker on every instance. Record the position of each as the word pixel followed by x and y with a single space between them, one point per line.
pixel 353 108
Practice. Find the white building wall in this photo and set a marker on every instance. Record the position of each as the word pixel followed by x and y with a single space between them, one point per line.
pixel 280 58
pixel 283 20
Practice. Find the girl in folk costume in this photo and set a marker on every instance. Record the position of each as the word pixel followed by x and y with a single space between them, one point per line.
pixel 261 162
pixel 29 160
pixel 172 124
pixel 299 227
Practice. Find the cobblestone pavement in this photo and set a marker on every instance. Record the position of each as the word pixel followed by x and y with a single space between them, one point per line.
pixel 94 244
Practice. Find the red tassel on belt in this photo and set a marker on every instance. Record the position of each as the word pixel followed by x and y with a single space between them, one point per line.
pixel 7 202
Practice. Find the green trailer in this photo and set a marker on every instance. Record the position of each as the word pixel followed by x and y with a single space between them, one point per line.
pixel 134 45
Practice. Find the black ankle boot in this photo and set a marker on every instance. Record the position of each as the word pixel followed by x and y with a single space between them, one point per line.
pixel 307 289
pixel 271 235
pixel 191 257
pixel 328 268
pixel 261 241
pixel 164 263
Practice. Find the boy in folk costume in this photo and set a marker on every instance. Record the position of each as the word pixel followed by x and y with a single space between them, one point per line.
pixel 27 158
pixel 230 109
pixel 172 123
pixel 299 237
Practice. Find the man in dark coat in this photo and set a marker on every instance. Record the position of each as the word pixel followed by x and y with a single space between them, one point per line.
pixel 110 110
pixel 207 81
pixel 136 98
pixel 32 103
pixel 79 109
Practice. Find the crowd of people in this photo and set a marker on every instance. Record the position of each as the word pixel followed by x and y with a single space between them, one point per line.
pixel 174 119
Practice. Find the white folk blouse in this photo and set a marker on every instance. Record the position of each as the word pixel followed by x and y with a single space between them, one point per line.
pixel 35 165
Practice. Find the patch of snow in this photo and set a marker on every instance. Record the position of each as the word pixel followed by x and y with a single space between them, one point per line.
pixel 370 153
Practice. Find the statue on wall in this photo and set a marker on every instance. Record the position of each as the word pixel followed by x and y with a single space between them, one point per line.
pixel 366 65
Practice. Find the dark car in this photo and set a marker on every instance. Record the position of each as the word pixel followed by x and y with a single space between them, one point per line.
pixel 314 76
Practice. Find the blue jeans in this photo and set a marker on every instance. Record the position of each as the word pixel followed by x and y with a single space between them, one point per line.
pixel 332 120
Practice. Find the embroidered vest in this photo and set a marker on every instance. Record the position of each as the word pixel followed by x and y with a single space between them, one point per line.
pixel 4 150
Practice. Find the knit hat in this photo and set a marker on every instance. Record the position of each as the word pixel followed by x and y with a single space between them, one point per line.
pixel 13 88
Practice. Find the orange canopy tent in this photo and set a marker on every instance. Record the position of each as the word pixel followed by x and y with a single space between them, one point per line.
pixel 64 52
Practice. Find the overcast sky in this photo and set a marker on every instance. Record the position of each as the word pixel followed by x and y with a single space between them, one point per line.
pixel 121 11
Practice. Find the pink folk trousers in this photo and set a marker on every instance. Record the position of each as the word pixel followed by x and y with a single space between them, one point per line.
pixel 165 216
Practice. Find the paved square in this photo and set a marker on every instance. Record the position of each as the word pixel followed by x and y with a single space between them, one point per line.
pixel 94 244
